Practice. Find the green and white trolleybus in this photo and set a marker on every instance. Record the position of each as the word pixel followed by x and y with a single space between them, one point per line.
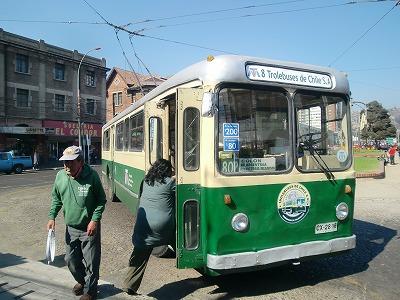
pixel 263 160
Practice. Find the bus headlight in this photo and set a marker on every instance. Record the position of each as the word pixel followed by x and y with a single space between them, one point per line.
pixel 240 222
pixel 342 211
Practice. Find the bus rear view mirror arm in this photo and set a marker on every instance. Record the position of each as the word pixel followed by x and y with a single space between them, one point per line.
pixel 209 104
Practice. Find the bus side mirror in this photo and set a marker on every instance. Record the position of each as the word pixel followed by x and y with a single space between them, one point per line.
pixel 208 106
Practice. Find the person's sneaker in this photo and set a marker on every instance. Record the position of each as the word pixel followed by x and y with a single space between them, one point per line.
pixel 87 297
pixel 78 289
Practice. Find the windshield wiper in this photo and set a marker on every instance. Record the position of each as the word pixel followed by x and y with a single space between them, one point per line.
pixel 322 166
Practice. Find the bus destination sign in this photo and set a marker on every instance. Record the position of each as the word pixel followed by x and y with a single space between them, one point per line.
pixel 282 75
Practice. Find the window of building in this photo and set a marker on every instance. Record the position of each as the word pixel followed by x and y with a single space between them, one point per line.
pixel 59 71
pixel 90 78
pixel 22 98
pixel 117 98
pixel 90 106
pixel 22 63
pixel 59 102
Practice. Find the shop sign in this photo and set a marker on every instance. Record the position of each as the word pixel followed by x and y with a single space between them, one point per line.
pixel 64 128
pixel 22 130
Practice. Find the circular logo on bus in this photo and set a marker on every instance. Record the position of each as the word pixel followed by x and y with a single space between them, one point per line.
pixel 294 202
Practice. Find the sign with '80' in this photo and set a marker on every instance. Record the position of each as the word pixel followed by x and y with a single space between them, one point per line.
pixel 231 144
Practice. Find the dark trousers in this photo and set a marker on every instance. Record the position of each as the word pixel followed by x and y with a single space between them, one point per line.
pixel 137 266
pixel 82 256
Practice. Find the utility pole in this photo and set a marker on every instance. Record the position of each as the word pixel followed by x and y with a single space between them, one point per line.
pixel 79 96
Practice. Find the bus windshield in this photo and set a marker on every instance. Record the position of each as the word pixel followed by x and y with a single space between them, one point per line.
pixel 253 131
pixel 322 139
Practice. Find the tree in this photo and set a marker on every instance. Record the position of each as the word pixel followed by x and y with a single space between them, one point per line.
pixel 379 124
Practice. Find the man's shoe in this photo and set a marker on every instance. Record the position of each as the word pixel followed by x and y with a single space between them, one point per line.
pixel 87 297
pixel 78 289
pixel 130 292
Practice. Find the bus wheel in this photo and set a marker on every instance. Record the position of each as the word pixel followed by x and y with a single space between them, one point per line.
pixel 163 251
pixel 110 194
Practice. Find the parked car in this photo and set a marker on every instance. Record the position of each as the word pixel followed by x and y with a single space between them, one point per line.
pixel 10 163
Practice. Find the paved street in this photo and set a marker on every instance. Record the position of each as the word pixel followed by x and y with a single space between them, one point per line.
pixel 368 272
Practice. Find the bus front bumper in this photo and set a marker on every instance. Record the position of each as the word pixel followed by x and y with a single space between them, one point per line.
pixel 279 254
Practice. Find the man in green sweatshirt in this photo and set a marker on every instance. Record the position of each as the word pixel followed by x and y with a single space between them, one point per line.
pixel 78 190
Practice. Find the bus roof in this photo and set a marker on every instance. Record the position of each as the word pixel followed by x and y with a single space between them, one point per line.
pixel 231 68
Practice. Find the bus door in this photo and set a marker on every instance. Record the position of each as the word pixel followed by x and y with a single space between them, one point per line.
pixel 189 244
pixel 110 168
pixel 156 128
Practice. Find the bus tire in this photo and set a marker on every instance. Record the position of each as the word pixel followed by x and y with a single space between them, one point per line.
pixel 110 193
pixel 164 251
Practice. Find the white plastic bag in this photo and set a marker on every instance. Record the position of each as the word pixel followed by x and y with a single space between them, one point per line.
pixel 51 246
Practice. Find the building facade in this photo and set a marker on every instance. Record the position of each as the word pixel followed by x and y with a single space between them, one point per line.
pixel 38 97
pixel 125 87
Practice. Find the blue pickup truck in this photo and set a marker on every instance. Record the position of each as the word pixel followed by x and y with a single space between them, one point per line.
pixel 10 163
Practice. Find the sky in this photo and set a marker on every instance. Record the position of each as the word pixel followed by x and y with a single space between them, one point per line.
pixel 361 39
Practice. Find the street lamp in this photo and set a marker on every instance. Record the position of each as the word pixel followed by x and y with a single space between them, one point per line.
pixel 79 97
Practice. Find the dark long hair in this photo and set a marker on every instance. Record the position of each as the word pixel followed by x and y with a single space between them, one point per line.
pixel 160 170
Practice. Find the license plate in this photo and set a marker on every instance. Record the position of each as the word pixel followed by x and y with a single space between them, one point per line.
pixel 325 227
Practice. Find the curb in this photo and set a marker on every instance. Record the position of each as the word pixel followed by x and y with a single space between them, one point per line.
pixel 376 174
pixel 46 282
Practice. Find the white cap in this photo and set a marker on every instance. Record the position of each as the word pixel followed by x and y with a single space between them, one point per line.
pixel 71 153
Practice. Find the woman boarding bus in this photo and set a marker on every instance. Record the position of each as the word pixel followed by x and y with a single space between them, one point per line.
pixel 262 157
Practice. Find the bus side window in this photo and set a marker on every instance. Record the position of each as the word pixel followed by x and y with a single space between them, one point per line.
pixel 191 139
pixel 155 139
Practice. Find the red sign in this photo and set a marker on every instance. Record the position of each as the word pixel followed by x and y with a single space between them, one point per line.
pixel 65 128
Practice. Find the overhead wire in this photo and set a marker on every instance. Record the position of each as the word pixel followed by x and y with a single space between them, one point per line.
pixel 374 69
pixel 362 35
pixel 209 12
pixel 258 14
pixel 96 11
pixel 173 17
pixel 233 9
pixel 117 27
pixel 129 63
pixel 137 32
pixel 374 84
pixel 52 22
pixel 141 61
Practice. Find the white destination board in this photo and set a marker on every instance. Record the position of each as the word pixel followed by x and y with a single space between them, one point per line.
pixel 257 164
pixel 282 75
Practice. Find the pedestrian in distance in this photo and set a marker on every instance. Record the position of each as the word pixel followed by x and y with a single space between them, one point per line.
pixel 78 190
pixel 392 153
pixel 155 221
pixel 35 160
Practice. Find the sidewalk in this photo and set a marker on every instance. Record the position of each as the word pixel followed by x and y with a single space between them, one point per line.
pixel 22 278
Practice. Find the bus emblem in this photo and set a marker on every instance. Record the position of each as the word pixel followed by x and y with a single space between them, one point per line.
pixel 293 202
